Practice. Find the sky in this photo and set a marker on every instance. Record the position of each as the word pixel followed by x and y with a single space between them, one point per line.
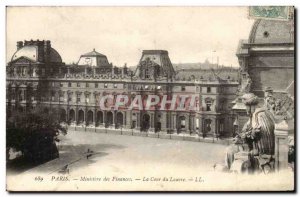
pixel 190 34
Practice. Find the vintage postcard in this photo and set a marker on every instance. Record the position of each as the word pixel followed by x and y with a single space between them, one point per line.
pixel 150 98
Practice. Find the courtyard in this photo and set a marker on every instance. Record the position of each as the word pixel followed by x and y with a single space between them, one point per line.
pixel 99 161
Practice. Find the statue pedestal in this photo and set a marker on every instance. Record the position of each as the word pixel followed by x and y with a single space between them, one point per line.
pixel 281 146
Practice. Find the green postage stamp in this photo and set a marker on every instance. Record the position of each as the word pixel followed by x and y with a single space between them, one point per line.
pixel 271 12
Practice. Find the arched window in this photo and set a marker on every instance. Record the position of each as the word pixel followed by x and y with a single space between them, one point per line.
pixel 182 122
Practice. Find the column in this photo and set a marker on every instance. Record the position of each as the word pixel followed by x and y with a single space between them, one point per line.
pixel 124 119
pixel 76 114
pixel 113 118
pixel 128 119
pixel 217 130
pixel 151 129
pixel 192 118
pixel 138 124
pixel 187 123
pixel 213 127
pixel 94 118
pixel 174 122
pixel 202 129
pixel 281 145
pixel 103 118
pixel 163 122
pixel 94 71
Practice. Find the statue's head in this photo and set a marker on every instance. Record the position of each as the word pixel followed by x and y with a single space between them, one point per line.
pixel 250 100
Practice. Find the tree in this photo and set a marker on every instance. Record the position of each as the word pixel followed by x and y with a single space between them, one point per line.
pixel 34 134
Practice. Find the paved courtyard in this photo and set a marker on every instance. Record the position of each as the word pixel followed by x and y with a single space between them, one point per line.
pixel 121 152
pixel 128 162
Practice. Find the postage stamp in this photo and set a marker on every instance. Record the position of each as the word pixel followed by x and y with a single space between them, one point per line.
pixel 271 12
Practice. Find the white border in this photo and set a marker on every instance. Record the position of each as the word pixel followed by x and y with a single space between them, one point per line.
pixel 5 3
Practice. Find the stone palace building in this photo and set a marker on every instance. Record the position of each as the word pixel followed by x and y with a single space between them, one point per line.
pixel 37 76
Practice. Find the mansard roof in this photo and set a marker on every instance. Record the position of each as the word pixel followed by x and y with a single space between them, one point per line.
pixel 93 53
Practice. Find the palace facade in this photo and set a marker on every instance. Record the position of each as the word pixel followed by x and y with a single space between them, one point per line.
pixel 37 77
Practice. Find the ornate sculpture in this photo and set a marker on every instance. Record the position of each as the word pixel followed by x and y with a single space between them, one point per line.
pixel 258 140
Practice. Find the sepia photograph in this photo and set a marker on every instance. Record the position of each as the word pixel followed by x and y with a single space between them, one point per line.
pixel 150 99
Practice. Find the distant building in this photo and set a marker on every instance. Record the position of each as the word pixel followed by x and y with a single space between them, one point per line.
pixel 36 76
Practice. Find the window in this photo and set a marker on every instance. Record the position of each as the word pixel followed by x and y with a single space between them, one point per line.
pixel 96 85
pixel 78 98
pixel 182 123
pixel 115 85
pixel 87 85
pixel 61 85
pixel 61 97
pixel 87 98
pixel 208 89
pixel 105 85
pixel 70 99
pixel 208 102
pixel 221 125
pixel 53 97
pixel 222 105
pixel 69 84
pixel 78 84
pixel 208 106
pixel 147 73
pixel 182 88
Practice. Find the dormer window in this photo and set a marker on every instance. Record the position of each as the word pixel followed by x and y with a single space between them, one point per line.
pixel 147 73
pixel 208 89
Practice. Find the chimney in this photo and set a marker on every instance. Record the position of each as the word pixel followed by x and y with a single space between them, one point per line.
pixel 47 48
pixel 122 71
pixel 19 45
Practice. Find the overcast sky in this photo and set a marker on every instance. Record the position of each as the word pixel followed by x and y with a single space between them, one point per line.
pixel 190 34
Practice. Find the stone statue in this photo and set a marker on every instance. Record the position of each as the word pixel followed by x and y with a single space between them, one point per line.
pixel 258 139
